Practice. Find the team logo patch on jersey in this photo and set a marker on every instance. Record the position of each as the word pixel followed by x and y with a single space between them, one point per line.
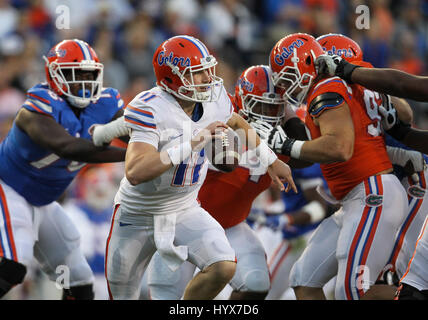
pixel 374 200
pixel 287 52
pixel 416 191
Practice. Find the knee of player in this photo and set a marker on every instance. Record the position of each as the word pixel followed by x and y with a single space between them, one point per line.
pixel 257 281
pixel 223 270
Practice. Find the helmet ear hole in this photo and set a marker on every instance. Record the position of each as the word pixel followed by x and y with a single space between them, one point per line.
pixel 169 80
pixel 308 60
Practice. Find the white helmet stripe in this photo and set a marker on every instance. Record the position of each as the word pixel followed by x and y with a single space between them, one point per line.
pixel 269 83
pixel 84 49
pixel 198 44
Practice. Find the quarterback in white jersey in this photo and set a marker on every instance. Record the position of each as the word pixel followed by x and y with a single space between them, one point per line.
pixel 156 207
pixel 156 118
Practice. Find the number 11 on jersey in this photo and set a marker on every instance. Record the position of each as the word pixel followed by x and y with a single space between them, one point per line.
pixel 187 173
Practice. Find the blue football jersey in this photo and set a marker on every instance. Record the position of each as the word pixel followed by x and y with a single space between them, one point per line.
pixel 37 174
pixel 295 201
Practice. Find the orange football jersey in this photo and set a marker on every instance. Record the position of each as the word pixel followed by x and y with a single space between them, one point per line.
pixel 369 156
pixel 228 196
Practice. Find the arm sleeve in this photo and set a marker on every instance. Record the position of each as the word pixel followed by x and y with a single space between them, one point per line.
pixel 142 122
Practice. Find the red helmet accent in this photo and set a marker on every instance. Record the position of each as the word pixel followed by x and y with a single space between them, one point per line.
pixel 256 96
pixel 292 63
pixel 338 44
pixel 175 62
pixel 74 55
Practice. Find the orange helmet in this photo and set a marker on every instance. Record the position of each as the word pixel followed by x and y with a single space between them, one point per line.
pixel 62 62
pixel 176 60
pixel 292 63
pixel 338 44
pixel 256 96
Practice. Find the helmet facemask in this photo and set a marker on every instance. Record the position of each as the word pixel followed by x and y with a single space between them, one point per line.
pixel 270 108
pixel 65 75
pixel 295 85
pixel 189 90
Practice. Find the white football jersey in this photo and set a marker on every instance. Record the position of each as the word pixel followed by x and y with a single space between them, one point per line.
pixel 155 117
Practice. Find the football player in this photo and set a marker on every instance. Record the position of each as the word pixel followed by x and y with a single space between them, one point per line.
pixel 47 146
pixel 346 139
pixel 414 279
pixel 156 206
pixel 408 233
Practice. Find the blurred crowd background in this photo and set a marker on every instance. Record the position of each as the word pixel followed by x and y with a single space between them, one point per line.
pixel 240 33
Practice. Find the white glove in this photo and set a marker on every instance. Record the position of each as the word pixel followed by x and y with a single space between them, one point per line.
pixel 103 134
pixel 263 129
pixel 273 137
pixel 388 113
pixel 411 161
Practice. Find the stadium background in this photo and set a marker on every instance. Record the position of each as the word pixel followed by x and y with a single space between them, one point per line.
pixel 125 34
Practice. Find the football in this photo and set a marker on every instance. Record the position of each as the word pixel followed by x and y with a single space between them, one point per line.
pixel 224 152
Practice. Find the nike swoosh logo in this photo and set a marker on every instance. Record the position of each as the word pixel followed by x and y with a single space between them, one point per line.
pixel 124 224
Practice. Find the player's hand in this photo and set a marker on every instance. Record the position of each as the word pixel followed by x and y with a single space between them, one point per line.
pixel 212 131
pixel 388 113
pixel 263 129
pixel 415 163
pixel 273 137
pixel 280 173
pixel 98 138
pixel 334 65
pixel 326 65
pixel 103 134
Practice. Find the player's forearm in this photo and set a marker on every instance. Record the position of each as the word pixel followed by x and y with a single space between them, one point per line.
pixel 326 149
pixel 295 128
pixel 82 150
pixel 392 82
pixel 244 130
pixel 417 140
pixel 146 167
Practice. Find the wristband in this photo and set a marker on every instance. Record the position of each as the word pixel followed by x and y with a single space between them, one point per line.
pixel 315 211
pixel 178 153
pixel 344 70
pixel 296 149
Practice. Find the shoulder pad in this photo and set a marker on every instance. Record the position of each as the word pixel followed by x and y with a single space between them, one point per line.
pixel 327 100
pixel 112 95
pixel 138 116
pixel 42 93
pixel 43 100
